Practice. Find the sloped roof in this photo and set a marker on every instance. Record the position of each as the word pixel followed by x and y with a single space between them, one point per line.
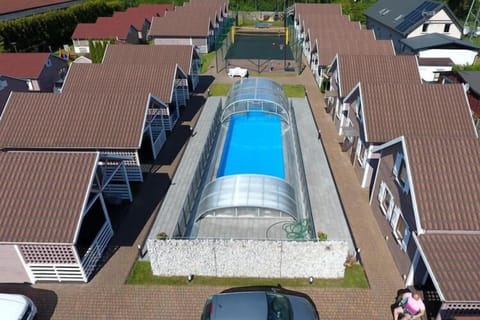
pixel 137 15
pixel 192 20
pixel 72 121
pixel 9 84
pixel 103 28
pixel 443 62
pixel 472 78
pixel 23 65
pixel 394 109
pixel 155 55
pixel 445 173
pixel 406 15
pixel 327 24
pixel 143 79
pixel 375 68
pixel 454 261
pixel 120 23
pixel 437 41
pixel 9 6
pixel 318 9
pixel 42 195
pixel 361 42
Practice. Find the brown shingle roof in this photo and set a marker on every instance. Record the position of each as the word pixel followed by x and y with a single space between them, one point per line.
pixel 23 65
pixel 394 109
pixel 156 55
pixel 454 260
pixel 42 195
pixel 191 20
pixel 361 42
pixel 143 79
pixel 120 23
pixel 375 68
pixel 137 15
pixel 329 24
pixel 445 175
pixel 318 9
pixel 71 121
pixel 186 25
pixel 104 28
pixel 435 62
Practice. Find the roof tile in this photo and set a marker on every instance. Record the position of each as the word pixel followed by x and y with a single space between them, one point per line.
pixel 445 175
pixel 394 109
pixel 454 259
pixel 42 195
pixel 73 121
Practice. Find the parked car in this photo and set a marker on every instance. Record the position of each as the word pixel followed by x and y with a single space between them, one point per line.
pixel 16 307
pixel 259 303
pixel 237 72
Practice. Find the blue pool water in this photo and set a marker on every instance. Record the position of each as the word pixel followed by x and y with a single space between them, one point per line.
pixel 253 146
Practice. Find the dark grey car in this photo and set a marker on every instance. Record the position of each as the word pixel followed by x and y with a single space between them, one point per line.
pixel 262 303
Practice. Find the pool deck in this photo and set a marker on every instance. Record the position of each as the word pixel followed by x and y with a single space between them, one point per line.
pixel 327 210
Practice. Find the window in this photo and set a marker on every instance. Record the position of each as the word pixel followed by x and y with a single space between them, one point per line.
pixel 362 153
pixel 400 172
pixel 400 228
pixel 447 27
pixel 385 199
pixel 425 27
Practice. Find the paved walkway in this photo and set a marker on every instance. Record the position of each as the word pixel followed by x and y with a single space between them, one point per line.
pixel 107 297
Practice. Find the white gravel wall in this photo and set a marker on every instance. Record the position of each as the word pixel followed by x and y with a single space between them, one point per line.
pixel 248 258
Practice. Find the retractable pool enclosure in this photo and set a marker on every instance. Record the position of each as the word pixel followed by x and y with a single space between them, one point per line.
pixel 252 182
pixel 256 94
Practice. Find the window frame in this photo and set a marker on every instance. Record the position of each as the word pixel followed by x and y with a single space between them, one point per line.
pixel 383 192
pixel 446 27
pixel 396 221
pixel 400 164
pixel 362 152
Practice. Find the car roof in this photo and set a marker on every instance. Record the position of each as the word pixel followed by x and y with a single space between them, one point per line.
pixel 239 306
pixel 12 306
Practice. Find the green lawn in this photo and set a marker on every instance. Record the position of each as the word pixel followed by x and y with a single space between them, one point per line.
pixel 142 274
pixel 294 90
pixel 220 89
pixel 205 60
pixel 291 90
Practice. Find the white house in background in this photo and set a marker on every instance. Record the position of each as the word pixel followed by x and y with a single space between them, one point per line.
pixel 438 53
pixel 396 20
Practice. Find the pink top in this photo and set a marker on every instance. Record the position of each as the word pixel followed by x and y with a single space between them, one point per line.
pixel 413 306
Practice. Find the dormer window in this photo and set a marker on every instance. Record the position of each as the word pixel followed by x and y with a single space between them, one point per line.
pixel 400 172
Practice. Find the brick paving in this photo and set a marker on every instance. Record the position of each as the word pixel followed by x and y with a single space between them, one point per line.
pixel 107 296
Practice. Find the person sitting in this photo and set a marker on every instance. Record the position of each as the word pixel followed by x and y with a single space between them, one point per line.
pixel 411 307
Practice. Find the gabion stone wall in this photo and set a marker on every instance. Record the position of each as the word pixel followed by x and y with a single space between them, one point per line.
pixel 248 258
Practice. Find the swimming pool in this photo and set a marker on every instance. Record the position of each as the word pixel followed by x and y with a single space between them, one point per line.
pixel 253 145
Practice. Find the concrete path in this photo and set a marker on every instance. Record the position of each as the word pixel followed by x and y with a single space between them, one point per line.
pixel 107 297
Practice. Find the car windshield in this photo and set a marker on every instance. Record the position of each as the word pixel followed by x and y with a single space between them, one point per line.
pixel 278 307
